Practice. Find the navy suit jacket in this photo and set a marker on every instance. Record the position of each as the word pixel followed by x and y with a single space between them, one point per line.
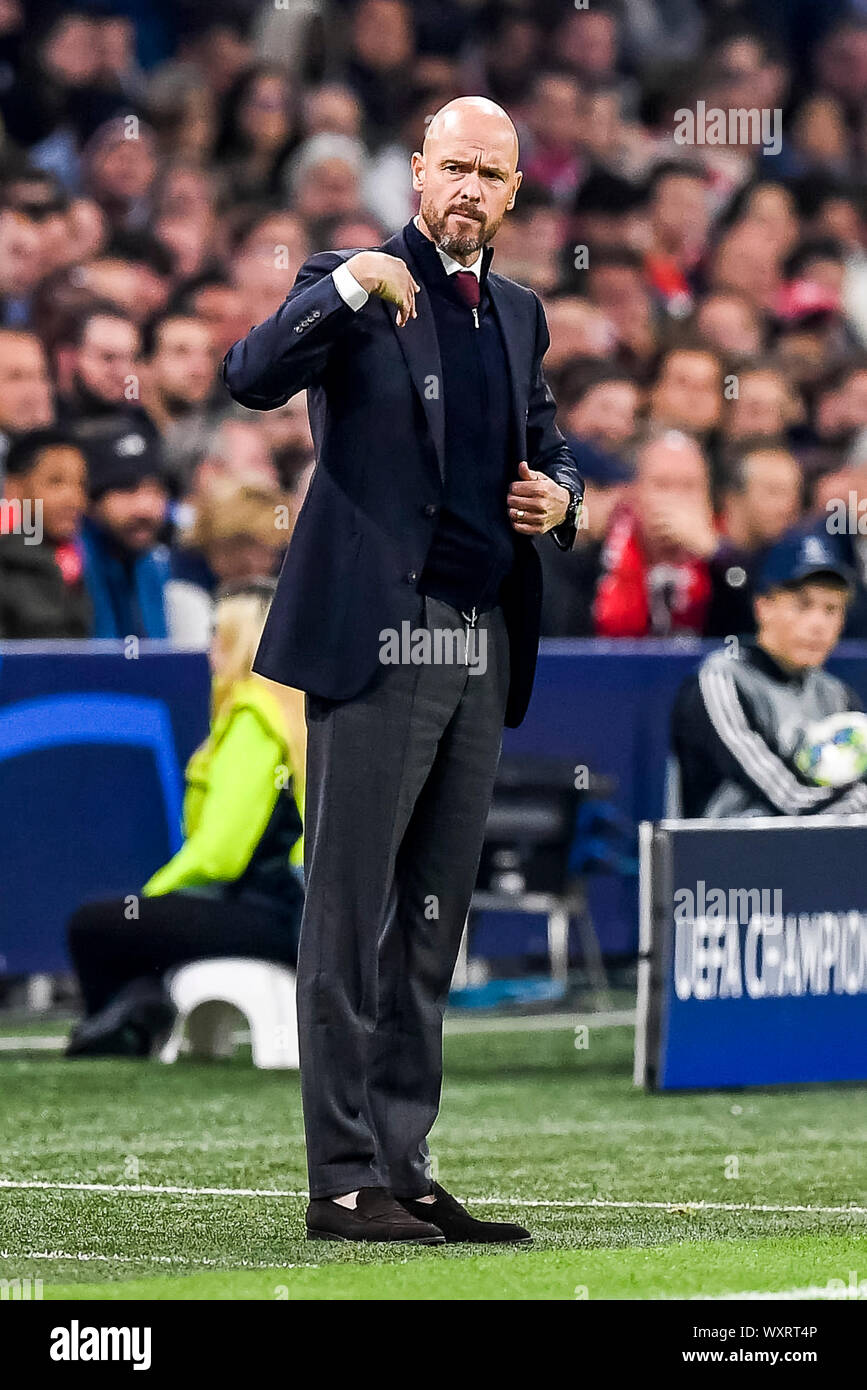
pixel 378 422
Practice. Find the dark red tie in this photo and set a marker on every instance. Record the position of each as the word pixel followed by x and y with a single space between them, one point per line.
pixel 467 286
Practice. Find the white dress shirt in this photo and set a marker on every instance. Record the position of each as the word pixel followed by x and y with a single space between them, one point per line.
pixel 356 297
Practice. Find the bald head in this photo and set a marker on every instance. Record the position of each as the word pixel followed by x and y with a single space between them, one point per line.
pixel 467 175
pixel 471 118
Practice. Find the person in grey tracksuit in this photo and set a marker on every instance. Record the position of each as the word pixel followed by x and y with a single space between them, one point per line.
pixel 738 722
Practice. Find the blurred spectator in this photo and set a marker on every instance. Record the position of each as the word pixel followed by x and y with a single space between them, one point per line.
pixel 617 284
pixel 529 241
pixel 217 303
pixel 268 253
pixel 325 177
pixel 237 452
pixel 380 65
pixel 179 380
pixel 25 387
pixel 42 591
pixel 748 263
pixel 239 533
pixel 119 167
pixel 729 323
pixel 679 215
pixel 133 270
pixel 258 133
pixel 662 568
pixel 599 403
pixel 232 888
pixel 96 362
pixel 125 570
pixel 551 155
pixel 761 499
pixel 762 405
pixel 686 393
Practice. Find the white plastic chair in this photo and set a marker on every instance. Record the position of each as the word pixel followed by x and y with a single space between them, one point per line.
pixel 208 995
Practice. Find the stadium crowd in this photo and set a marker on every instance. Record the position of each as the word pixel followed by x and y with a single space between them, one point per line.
pixel 163 177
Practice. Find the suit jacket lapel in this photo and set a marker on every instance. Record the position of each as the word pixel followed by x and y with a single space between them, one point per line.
pixel 419 345
pixel 513 330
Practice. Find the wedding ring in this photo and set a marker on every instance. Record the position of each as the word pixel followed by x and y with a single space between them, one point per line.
pixel 519 515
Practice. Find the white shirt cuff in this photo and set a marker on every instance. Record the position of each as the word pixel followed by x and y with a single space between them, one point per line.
pixel 348 287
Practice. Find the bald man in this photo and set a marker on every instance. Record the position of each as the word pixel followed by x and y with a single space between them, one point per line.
pixel 408 611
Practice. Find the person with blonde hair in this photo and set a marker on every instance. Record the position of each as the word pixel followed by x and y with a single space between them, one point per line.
pixel 234 886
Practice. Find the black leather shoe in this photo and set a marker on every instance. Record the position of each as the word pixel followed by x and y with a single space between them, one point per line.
pixel 376 1216
pixel 456 1224
pixel 133 1024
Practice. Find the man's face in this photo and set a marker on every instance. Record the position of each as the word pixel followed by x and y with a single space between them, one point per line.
pixel 38 201
pixel 620 292
pixel 468 178
pixel 606 414
pixel 133 515
pixel 106 358
pixel 671 480
pixel 556 111
pixel 680 214
pixel 729 324
pixel 183 363
pixel 330 189
pixel 802 626
pixel 25 388
pixel 21 262
pixel 687 394
pixel 267 262
pixel 577 329
pixel 221 309
pixel 58 480
pixel 761 407
pixel 771 500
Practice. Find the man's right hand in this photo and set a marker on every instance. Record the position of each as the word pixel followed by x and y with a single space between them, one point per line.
pixel 389 277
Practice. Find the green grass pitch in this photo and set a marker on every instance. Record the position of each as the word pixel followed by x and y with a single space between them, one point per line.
pixel 608 1179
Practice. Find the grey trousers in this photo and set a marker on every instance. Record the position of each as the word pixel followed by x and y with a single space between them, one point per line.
pixel 399 781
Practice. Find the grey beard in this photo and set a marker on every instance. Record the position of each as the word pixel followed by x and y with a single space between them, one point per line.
pixel 464 245
pixel 448 242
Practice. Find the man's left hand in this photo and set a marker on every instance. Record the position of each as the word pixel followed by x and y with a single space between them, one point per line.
pixel 536 503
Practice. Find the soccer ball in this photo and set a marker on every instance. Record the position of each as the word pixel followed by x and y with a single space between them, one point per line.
pixel 833 751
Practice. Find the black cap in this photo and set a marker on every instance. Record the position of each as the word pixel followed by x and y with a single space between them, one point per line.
pixel 122 451
pixel 799 557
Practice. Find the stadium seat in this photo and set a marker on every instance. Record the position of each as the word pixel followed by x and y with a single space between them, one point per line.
pixel 208 994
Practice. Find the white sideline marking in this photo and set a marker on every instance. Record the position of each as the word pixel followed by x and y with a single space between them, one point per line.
pixel 82 1256
pixel 811 1291
pixel 538 1023
pixel 566 1203
pixel 455 1024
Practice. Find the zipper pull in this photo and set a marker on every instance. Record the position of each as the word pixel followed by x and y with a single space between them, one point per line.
pixel 470 619
pixel 476 322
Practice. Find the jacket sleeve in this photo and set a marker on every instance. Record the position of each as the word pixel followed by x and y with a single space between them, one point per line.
pixel 242 791
pixel 288 351
pixel 547 450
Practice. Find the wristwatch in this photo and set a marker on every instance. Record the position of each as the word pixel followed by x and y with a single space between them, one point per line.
pixel 573 511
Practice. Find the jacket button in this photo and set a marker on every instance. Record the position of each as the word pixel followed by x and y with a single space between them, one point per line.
pixel 411 577
pixel 430 509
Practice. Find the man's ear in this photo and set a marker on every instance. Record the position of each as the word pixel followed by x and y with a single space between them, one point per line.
pixel 417 166
pixel 518 179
